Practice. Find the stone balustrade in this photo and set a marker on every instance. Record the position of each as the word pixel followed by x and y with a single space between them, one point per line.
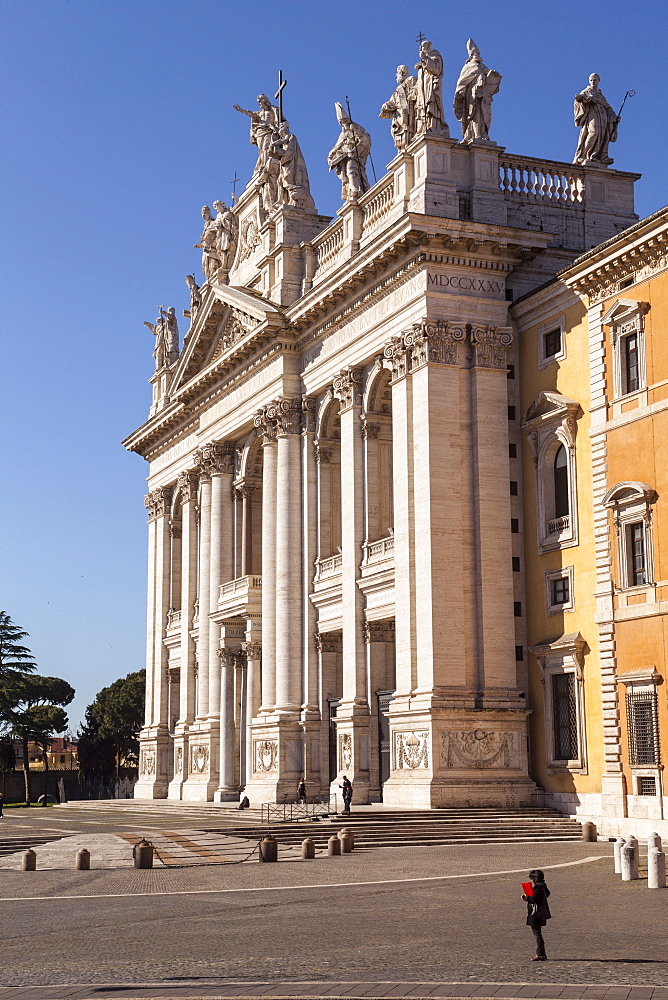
pixel 558 524
pixel 173 619
pixel 379 204
pixel 328 567
pixel 541 180
pixel 241 584
pixel 328 245
pixel 378 551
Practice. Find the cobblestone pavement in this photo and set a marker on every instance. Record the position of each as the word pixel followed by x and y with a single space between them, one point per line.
pixel 390 920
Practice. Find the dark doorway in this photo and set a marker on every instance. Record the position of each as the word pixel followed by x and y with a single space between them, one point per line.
pixel 332 704
pixel 384 699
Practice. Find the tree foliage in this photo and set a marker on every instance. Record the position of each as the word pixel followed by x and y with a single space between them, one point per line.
pixel 108 738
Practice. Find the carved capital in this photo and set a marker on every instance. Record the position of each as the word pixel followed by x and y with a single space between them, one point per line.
pixel 186 484
pixel 308 414
pixel 212 459
pixel 327 642
pixel 228 657
pixel 378 631
pixel 395 352
pixel 322 453
pixel 265 425
pixel 348 387
pixel 287 413
pixel 490 344
pixel 368 431
pixel 157 502
pixel 435 342
pixel 244 489
pixel 253 650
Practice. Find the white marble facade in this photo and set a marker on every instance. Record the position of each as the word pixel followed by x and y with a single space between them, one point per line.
pixel 331 522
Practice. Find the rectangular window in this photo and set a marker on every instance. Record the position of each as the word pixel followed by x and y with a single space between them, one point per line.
pixel 512 451
pixel 511 370
pixel 516 564
pixel 560 590
pixel 564 717
pixel 513 488
pixel 511 413
pixel 631 364
pixel 519 653
pixel 635 553
pixel 518 608
pixel 552 343
pixel 514 526
pixel 643 723
pixel 646 786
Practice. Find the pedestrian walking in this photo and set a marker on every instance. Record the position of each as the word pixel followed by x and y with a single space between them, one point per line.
pixel 347 789
pixel 538 912
pixel 301 792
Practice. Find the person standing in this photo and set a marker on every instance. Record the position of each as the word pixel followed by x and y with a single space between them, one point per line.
pixel 301 792
pixel 347 789
pixel 2 799
pixel 538 912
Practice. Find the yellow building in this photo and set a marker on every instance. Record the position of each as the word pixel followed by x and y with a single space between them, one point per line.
pixel 594 398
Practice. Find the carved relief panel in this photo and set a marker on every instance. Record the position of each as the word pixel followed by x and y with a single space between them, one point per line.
pixel 411 750
pixel 479 749
pixel 265 755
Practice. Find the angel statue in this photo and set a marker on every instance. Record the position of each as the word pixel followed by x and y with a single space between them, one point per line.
pixel 166 333
pixel 349 156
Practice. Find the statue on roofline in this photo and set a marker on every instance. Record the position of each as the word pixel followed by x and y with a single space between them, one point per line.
pixel 280 173
pixel 430 117
pixel 474 92
pixel 195 298
pixel 218 240
pixel 598 124
pixel 349 155
pixel 401 108
pixel 166 333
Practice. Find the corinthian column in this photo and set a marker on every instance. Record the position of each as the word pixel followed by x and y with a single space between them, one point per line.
pixel 288 557
pixel 353 712
pixel 217 460
pixel 204 589
pixel 266 428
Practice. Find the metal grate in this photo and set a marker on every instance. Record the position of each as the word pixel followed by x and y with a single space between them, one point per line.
pixel 646 786
pixel 564 714
pixel 643 723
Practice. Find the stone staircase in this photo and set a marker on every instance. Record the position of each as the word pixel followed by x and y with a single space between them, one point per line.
pixel 380 828
pixel 9 845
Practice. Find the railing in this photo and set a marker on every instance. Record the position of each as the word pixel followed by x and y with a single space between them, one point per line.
pixel 536 180
pixel 328 567
pixel 330 247
pixel 558 524
pixel 379 206
pixel 287 812
pixel 377 551
pixel 242 583
pixel 173 619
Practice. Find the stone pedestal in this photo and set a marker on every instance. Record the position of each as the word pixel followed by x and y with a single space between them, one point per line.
pixel 154 751
pixel 277 760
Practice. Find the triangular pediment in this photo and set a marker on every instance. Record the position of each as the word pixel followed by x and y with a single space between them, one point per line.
pixel 550 405
pixel 226 317
pixel 622 308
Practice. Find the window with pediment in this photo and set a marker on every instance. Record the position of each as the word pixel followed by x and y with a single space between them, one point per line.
pixel 562 664
pixel 551 426
pixel 631 504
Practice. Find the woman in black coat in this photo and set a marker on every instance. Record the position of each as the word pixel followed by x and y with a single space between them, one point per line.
pixel 538 912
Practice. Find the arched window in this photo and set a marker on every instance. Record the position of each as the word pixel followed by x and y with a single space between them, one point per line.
pixel 561 504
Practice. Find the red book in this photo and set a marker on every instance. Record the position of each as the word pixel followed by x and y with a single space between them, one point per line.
pixel 527 888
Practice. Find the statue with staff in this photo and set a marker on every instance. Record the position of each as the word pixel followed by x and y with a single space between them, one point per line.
pixel 349 155
pixel 474 92
pixel 598 124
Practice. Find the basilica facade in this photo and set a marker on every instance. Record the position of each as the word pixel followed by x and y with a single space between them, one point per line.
pixel 337 539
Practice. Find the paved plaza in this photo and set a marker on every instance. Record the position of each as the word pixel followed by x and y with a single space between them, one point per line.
pixel 434 921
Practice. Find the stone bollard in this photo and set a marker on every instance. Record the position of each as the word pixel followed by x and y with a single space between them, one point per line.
pixel 656 869
pixel 589 831
pixel 654 840
pixel 29 861
pixel 630 860
pixel 308 848
pixel 619 843
pixel 333 846
pixel 351 834
pixel 82 860
pixel 346 842
pixel 269 849
pixel 143 854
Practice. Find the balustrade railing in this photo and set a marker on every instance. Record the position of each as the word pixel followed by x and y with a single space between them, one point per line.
pixel 173 619
pixel 327 249
pixel 242 583
pixel 376 551
pixel 379 206
pixel 328 567
pixel 558 524
pixel 537 180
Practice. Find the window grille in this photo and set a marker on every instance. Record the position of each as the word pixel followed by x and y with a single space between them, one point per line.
pixel 646 786
pixel 643 723
pixel 560 590
pixel 564 711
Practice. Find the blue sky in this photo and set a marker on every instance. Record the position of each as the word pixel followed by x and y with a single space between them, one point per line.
pixel 117 125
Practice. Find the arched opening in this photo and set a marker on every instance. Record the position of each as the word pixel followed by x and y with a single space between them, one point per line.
pixel 328 457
